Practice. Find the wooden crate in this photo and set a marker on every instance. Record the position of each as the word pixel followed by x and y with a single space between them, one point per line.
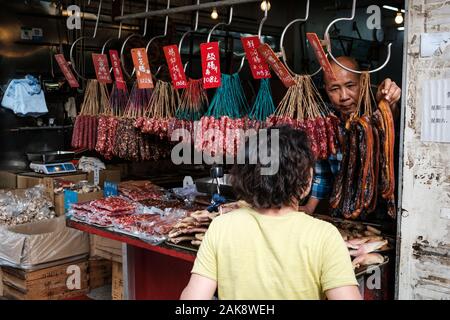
pixel 117 281
pixel 106 248
pixel 100 272
pixel 46 284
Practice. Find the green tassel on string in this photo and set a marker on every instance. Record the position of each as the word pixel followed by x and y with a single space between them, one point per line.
pixel 263 106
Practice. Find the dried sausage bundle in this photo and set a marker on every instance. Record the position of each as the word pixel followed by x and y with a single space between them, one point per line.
pixel 367 170
pixel 96 100
pixel 302 108
pixel 219 130
pixel 160 111
pixel 108 121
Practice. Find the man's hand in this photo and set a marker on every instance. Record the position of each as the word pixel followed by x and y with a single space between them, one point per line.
pixel 389 91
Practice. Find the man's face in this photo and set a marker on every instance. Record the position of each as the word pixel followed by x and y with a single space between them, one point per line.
pixel 344 91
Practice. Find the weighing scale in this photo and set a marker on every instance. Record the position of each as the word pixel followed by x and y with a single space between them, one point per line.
pixel 53 168
pixel 52 162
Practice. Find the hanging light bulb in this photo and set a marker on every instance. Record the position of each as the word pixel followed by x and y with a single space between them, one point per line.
pixel 265 5
pixel 399 18
pixel 214 14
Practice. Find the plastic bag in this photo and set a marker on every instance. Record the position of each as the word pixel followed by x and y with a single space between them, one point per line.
pixel 25 97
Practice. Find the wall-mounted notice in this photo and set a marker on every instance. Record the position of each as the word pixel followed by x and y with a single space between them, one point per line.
pixel 436 111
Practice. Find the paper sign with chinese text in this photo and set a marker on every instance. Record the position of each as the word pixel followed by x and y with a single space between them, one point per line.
pixel 259 67
pixel 143 73
pixel 64 66
pixel 117 70
pixel 101 66
pixel 321 55
pixel 277 66
pixel 436 111
pixel 210 65
pixel 173 59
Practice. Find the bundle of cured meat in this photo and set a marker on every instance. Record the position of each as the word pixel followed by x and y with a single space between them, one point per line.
pixel 140 190
pixel 194 226
pixel 367 169
pixel 151 227
pixel 102 212
pixel 108 122
pixel 218 131
pixel 96 100
pixel 263 107
pixel 130 144
pixel 194 103
pixel 364 242
pixel 302 108
pixel 160 110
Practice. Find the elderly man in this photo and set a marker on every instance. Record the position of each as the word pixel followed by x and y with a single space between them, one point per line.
pixel 344 95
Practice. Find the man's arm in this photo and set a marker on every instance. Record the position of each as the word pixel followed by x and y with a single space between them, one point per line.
pixel 310 206
pixel 344 293
pixel 199 288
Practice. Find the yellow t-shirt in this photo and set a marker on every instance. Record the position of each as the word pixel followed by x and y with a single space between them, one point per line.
pixel 259 257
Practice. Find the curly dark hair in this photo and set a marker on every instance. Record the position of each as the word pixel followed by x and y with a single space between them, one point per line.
pixel 288 184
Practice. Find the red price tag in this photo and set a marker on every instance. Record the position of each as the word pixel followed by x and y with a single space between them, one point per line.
pixel 210 65
pixel 173 59
pixel 259 67
pixel 64 66
pixel 143 73
pixel 320 55
pixel 101 66
pixel 278 67
pixel 115 61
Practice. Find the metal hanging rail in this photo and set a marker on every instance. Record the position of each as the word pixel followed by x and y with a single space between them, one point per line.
pixel 189 8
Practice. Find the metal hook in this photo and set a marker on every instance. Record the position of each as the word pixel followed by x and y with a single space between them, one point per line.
pixel 230 19
pixel 131 36
pixel 283 34
pixel 180 44
pixel 72 60
pixel 263 20
pixel 159 36
pixel 328 40
pixel 120 31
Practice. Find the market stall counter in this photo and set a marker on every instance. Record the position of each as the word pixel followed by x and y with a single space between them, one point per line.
pixel 150 272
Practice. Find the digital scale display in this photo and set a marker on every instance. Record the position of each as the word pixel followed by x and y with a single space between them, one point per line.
pixel 55 168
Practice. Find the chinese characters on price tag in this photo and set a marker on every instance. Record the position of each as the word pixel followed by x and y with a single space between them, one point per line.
pixel 114 56
pixel 260 69
pixel 210 65
pixel 143 73
pixel 320 55
pixel 278 67
pixel 64 66
pixel 101 66
pixel 175 66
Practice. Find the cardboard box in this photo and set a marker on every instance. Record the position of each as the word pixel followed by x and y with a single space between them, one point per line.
pixel 32 244
pixel 100 272
pixel 30 179
pixel 117 281
pixel 105 175
pixel 106 248
pixel 8 179
pixel 82 197
pixel 123 168
pixel 53 283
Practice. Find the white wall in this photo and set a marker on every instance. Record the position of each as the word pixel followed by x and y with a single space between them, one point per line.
pixel 424 265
